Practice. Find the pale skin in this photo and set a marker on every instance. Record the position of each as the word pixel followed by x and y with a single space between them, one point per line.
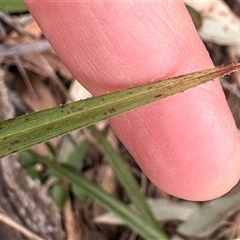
pixel 187 144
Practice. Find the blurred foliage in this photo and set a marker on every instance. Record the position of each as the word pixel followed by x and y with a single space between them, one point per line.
pixel 59 194
pixel 31 161
pixel 12 6
pixel 196 17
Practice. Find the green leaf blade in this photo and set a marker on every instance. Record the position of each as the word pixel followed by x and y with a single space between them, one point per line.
pixel 130 218
pixel 28 130
pixel 124 175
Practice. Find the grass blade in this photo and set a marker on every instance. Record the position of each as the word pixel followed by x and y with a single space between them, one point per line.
pixel 23 132
pixel 124 175
pixel 131 218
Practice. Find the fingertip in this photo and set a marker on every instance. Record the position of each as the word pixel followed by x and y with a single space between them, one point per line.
pixel 187 144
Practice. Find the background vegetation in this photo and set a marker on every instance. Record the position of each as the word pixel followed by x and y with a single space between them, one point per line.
pixel 62 189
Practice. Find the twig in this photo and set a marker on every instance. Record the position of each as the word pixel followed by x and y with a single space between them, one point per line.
pixel 25 77
pixel 10 222
pixel 9 50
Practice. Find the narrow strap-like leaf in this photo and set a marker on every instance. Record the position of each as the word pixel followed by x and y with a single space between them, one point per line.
pixel 28 130
pixel 130 217
pixel 124 175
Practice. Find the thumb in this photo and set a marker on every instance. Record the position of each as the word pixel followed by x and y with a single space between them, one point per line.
pixel 186 144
